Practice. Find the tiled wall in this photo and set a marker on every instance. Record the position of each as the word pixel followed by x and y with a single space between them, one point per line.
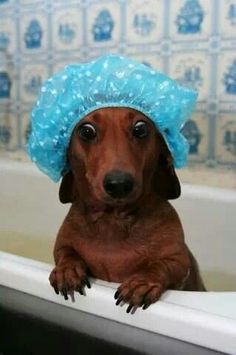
pixel 193 41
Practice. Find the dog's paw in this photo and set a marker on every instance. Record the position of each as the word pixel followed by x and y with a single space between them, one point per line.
pixel 138 292
pixel 69 277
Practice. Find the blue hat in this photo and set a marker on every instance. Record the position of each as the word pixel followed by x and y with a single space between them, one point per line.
pixel 109 81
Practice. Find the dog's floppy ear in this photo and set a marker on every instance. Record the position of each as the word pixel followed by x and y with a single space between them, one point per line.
pixel 166 180
pixel 66 192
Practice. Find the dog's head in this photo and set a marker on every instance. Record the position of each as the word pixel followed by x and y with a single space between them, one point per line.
pixel 117 155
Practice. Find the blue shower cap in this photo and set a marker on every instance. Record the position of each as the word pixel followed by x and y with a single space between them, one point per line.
pixel 109 81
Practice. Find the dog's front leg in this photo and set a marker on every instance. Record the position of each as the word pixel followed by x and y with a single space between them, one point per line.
pixel 145 287
pixel 69 273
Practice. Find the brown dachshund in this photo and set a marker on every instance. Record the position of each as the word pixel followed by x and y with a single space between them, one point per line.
pixel 120 227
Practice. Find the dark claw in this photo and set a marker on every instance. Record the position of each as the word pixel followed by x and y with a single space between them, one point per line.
pixel 119 300
pixel 87 283
pixel 129 308
pixel 80 290
pixel 64 292
pixel 134 309
pixel 56 290
pixel 117 294
pixel 72 296
pixel 146 305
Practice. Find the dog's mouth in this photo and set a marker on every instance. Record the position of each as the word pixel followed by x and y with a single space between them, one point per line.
pixel 117 201
pixel 122 200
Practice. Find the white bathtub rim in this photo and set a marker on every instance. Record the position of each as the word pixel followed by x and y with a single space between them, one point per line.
pixel 188 190
pixel 190 299
pixel 170 316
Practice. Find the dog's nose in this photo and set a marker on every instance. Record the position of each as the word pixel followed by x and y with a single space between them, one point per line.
pixel 118 184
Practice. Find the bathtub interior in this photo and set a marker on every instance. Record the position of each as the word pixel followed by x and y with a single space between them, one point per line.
pixel 31 215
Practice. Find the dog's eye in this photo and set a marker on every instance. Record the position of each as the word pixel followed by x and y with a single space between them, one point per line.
pixel 140 129
pixel 87 132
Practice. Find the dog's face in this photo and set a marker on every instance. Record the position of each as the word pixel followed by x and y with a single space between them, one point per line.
pixel 115 155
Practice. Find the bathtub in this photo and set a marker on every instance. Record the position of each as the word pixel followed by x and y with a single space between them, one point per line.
pixel 180 323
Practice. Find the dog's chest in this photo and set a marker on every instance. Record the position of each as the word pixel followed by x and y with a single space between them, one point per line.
pixel 110 251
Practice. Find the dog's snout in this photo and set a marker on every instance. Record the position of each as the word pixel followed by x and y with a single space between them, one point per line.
pixel 118 184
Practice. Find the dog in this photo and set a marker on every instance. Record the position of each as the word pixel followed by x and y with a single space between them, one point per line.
pixel 121 227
